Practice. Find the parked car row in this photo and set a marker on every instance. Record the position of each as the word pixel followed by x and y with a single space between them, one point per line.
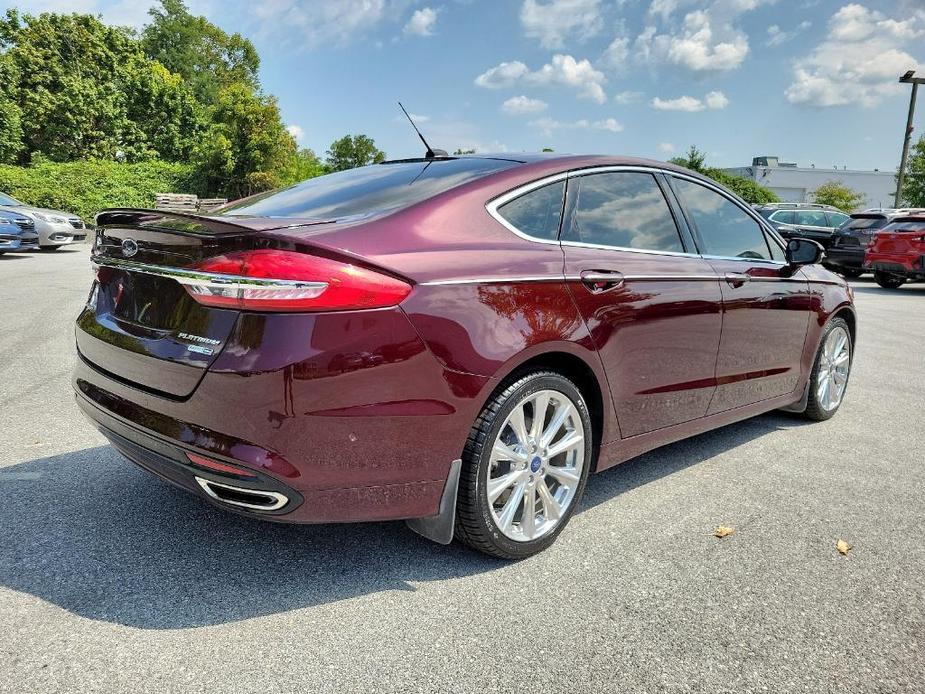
pixel 890 242
pixel 51 229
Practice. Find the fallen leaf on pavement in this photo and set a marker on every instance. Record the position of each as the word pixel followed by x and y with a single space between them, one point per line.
pixel 843 547
pixel 722 531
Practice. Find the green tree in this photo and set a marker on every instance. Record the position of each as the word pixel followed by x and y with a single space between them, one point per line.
pixel 838 195
pixel 10 113
pixel 913 192
pixel 460 151
pixel 301 166
pixel 246 150
pixel 694 160
pixel 85 90
pixel 352 151
pixel 745 188
pixel 204 55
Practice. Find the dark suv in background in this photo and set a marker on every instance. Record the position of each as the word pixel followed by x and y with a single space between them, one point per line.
pixel 845 253
pixel 803 220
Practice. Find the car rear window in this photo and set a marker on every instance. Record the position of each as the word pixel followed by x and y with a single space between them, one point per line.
pixel 907 226
pixel 866 223
pixel 367 190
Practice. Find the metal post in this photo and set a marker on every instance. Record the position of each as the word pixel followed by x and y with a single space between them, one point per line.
pixel 902 162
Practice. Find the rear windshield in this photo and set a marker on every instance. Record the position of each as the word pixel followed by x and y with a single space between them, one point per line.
pixel 367 190
pixel 907 226
pixel 865 223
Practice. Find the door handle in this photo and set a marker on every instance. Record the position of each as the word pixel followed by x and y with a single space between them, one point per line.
pixel 598 281
pixel 737 279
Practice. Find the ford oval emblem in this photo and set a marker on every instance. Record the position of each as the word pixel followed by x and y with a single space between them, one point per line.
pixel 129 247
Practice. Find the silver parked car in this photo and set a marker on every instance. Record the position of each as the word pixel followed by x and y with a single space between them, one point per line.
pixel 54 228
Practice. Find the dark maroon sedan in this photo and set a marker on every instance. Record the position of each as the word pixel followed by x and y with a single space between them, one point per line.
pixel 457 342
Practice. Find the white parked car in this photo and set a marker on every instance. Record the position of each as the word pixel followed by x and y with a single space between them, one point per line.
pixel 54 227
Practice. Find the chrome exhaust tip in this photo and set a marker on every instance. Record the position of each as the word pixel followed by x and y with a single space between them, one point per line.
pixel 253 499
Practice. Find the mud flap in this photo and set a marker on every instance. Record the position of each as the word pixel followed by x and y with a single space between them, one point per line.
pixel 439 528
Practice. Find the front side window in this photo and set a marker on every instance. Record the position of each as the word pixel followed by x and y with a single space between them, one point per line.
pixel 725 229
pixel 623 209
pixel 538 212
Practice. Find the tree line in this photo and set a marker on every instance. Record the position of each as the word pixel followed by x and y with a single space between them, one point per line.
pixel 180 91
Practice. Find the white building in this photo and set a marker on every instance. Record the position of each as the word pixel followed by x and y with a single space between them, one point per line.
pixel 794 183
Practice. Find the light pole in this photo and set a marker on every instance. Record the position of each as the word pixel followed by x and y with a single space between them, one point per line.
pixel 908 78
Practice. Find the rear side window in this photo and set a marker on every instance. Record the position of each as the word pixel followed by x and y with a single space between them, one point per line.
pixel 811 218
pixel 725 229
pixel 367 190
pixel 625 210
pixel 538 212
pixel 836 219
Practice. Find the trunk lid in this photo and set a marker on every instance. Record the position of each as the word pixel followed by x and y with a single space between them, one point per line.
pixel 140 325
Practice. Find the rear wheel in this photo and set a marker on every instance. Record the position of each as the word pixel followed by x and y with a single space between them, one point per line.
pixel 851 273
pixel 888 280
pixel 829 378
pixel 525 467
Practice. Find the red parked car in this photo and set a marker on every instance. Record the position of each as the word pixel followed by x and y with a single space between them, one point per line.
pixel 454 341
pixel 896 253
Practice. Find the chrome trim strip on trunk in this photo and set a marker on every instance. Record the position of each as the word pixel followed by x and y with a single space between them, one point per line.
pixel 199 278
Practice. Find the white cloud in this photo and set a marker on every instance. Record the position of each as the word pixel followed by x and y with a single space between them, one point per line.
pixel 777 36
pixel 554 21
pixel 422 22
pixel 617 54
pixel 690 104
pixel 562 70
pixel 666 148
pixel 322 22
pixel 859 62
pixel 517 105
pixel 502 75
pixel 296 131
pixel 628 97
pixel 706 39
pixel 716 100
pixel 549 125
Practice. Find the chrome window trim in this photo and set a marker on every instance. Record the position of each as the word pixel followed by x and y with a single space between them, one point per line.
pixel 492 208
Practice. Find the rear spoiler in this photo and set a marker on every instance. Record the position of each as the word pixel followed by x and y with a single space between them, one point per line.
pixel 199 224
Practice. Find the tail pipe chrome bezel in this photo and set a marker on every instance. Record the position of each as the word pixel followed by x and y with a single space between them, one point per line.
pixel 274 500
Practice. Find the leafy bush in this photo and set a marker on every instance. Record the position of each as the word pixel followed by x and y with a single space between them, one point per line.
pixel 86 187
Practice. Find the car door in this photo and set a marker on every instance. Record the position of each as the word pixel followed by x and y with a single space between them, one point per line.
pixel 813 225
pixel 652 305
pixel 766 305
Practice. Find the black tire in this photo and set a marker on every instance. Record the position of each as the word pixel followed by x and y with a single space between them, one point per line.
pixel 814 409
pixel 48 249
pixel 888 280
pixel 851 273
pixel 475 525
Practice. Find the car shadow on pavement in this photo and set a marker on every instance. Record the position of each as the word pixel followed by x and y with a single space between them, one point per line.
pixel 91 533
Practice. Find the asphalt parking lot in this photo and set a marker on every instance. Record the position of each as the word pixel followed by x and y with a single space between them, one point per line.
pixel 112 581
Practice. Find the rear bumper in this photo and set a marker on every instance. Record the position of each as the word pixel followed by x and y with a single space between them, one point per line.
pixel 897 264
pixel 168 461
pixel 851 258
pixel 358 438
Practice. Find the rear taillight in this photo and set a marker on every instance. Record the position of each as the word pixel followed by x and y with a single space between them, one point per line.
pixel 270 280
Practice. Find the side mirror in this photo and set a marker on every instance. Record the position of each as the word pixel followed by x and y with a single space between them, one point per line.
pixel 803 252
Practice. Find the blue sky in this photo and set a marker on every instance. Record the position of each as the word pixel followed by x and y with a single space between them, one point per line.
pixel 813 81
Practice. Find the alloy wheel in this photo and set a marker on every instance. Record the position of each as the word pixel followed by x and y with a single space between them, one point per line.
pixel 536 465
pixel 834 365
